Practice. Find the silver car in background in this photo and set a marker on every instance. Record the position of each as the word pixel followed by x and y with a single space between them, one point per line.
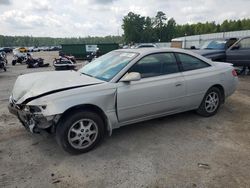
pixel 119 88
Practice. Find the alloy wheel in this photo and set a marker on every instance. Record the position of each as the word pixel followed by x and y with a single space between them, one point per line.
pixel 212 102
pixel 82 133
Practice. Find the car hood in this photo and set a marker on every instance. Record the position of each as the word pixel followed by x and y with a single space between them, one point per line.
pixel 34 85
pixel 207 52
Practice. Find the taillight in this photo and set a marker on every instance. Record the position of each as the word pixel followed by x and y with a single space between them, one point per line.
pixel 234 73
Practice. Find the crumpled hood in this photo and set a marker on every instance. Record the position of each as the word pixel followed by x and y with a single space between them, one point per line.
pixel 35 84
pixel 207 52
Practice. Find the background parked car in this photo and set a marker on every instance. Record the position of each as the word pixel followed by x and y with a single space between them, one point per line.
pixel 30 49
pixel 146 45
pixel 33 49
pixel 239 52
pixel 235 51
pixel 22 49
pixel 215 49
pixel 6 50
pixel 54 48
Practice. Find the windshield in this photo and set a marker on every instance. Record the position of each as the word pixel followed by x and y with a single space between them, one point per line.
pixel 108 65
pixel 214 45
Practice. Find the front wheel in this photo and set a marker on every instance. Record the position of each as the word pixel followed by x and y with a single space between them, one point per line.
pixel 210 103
pixel 80 132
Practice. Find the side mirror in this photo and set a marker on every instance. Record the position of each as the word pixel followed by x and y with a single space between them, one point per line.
pixel 132 76
pixel 236 47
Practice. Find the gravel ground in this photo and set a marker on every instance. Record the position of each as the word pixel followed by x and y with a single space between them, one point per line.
pixel 183 150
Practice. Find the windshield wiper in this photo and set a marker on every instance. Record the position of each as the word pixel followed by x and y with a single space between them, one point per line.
pixel 87 74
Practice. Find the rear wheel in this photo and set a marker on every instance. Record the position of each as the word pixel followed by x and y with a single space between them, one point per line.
pixel 210 103
pixel 80 132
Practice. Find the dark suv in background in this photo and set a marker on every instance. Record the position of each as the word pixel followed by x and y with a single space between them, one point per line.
pixel 239 53
pixel 216 49
pixel 233 50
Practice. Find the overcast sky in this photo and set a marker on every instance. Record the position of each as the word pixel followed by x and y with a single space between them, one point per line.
pixel 74 18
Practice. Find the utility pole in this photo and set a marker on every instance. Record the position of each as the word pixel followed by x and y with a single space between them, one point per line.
pixel 185 40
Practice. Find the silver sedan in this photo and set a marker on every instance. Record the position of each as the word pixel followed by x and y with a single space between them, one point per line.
pixel 119 88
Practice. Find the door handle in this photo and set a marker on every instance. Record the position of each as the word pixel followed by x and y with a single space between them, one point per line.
pixel 178 84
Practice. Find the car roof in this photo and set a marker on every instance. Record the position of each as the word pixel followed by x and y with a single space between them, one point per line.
pixel 145 51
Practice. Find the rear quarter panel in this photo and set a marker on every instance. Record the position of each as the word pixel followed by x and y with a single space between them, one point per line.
pixel 198 82
pixel 228 81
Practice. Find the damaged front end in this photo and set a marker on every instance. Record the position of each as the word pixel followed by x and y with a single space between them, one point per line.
pixel 32 117
pixel 26 100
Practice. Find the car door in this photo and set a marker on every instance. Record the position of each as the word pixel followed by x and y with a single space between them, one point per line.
pixel 160 90
pixel 198 77
pixel 239 54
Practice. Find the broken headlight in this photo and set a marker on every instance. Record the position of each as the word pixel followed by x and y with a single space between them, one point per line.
pixel 34 109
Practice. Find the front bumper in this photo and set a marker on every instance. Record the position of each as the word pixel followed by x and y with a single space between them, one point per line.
pixel 31 121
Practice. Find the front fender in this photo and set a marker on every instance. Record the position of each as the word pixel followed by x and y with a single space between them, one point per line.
pixel 58 103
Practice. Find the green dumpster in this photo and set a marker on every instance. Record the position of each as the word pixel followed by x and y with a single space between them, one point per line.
pixel 80 51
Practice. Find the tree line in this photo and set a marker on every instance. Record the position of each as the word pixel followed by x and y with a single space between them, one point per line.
pixel 12 41
pixel 137 29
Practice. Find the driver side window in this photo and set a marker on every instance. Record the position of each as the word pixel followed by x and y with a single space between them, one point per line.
pixel 156 65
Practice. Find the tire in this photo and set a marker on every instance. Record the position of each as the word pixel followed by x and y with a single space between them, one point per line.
pixel 79 131
pixel 14 62
pixel 210 103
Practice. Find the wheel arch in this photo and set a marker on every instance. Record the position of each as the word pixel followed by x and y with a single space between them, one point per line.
pixel 222 90
pixel 88 107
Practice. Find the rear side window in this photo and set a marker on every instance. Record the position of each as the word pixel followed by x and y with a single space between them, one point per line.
pixel 191 63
